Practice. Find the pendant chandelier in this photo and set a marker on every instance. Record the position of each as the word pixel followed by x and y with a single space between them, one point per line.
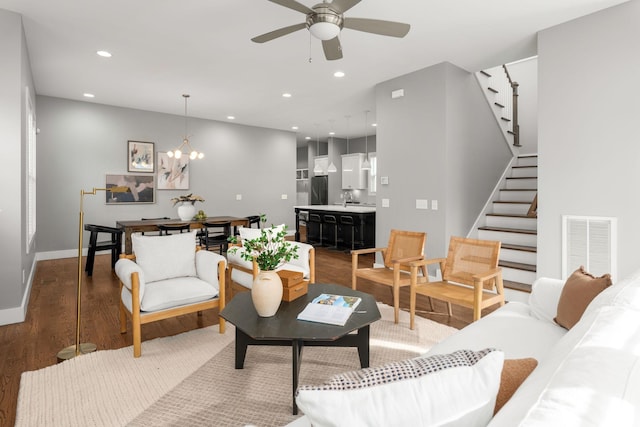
pixel 185 147
pixel 366 165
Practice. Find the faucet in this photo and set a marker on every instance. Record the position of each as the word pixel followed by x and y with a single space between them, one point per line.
pixel 346 197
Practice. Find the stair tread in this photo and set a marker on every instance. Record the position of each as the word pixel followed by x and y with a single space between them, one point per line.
pixel 513 203
pixel 508 215
pixel 508 230
pixel 505 119
pixel 522 177
pixel 485 73
pixel 519 247
pixel 526 156
pixel 518 189
pixel 492 90
pixel 517 265
pixel 520 167
pixel 498 104
pixel 517 286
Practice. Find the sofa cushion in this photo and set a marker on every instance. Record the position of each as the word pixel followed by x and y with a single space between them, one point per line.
pixel 249 233
pixel 165 257
pixel 511 329
pixel 597 383
pixel 457 389
pixel 544 297
pixel 578 291
pixel 625 293
pixel 514 372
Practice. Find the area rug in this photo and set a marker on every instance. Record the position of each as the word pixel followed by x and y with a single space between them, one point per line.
pixel 190 380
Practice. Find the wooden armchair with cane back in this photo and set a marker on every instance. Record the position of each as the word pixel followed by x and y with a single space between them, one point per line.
pixel 470 277
pixel 403 248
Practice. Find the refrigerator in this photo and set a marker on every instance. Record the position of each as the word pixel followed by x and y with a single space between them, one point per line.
pixel 320 190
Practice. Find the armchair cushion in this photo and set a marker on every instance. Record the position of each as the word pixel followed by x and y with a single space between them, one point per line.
pixel 248 233
pixel 457 389
pixel 206 267
pixel 171 293
pixel 124 269
pixel 165 257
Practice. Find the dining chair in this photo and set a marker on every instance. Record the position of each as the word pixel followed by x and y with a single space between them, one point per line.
pixel 215 235
pixel 167 229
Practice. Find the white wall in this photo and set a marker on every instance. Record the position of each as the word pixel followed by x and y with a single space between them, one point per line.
pixel 589 148
pixel 81 142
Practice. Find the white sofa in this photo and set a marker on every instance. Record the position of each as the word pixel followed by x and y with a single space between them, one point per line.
pixel 587 376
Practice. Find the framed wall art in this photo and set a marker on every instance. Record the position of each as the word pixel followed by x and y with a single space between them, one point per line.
pixel 130 189
pixel 172 173
pixel 140 156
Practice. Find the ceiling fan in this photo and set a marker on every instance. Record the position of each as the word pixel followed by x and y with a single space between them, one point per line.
pixel 325 20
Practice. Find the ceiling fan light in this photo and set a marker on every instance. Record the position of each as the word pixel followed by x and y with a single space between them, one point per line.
pixel 366 165
pixel 177 154
pixel 201 155
pixel 170 154
pixel 193 155
pixel 324 30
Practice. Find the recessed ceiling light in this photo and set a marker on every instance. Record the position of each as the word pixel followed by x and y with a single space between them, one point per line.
pixel 307 138
pixel 374 124
pixel 88 95
pixel 104 53
pixel 286 95
pixel 231 117
pixel 332 133
pixel 338 74
pixel 294 127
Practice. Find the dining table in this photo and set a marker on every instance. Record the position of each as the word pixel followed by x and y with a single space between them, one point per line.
pixel 149 225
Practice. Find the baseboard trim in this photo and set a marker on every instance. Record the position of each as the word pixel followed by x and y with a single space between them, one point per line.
pixel 12 315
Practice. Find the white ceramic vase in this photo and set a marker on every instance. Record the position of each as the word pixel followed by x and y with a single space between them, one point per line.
pixel 186 211
pixel 266 293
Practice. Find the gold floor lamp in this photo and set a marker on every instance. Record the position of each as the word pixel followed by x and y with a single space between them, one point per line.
pixel 77 349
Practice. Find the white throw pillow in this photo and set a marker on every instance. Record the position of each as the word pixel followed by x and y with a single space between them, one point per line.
pixel 457 389
pixel 544 297
pixel 165 257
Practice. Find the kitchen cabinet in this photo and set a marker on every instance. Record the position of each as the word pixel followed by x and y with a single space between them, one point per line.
pixel 353 176
pixel 302 174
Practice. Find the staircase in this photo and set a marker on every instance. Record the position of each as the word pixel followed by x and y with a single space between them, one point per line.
pixel 513 221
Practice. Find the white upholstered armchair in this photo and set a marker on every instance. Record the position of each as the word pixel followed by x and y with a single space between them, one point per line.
pixel 167 277
pixel 242 272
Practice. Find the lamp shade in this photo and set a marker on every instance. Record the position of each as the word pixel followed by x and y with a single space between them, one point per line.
pixel 324 30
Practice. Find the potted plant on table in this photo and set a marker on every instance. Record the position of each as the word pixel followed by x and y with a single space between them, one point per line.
pixel 269 251
pixel 186 208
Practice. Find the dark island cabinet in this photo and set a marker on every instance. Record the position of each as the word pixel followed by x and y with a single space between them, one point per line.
pixel 337 227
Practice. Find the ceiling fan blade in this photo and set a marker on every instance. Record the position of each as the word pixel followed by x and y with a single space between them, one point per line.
pixel 376 26
pixel 332 49
pixel 341 6
pixel 278 33
pixel 292 4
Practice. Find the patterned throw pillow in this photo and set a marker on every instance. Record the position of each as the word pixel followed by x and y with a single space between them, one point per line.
pixel 457 389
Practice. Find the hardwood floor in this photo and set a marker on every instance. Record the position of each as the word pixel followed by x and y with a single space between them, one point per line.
pixel 51 319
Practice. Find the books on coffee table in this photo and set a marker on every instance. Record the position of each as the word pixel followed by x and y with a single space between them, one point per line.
pixel 329 308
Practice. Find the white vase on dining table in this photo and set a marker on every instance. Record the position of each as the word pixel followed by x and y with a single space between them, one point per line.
pixel 186 211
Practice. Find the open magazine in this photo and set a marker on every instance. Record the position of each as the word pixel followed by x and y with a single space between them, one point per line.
pixel 329 308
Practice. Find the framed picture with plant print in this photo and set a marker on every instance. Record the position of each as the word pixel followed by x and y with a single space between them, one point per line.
pixel 130 189
pixel 172 173
pixel 140 156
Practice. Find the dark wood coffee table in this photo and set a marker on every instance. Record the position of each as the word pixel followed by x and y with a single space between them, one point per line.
pixel 284 328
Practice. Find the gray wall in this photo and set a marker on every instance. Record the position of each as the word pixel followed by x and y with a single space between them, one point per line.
pixel 80 142
pixel 589 152
pixel 440 141
pixel 15 77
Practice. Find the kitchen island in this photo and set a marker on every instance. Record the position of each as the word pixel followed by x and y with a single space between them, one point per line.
pixel 361 235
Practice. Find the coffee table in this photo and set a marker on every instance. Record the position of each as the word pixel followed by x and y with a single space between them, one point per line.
pixel 283 329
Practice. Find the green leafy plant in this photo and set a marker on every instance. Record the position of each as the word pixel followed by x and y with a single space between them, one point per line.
pixel 270 250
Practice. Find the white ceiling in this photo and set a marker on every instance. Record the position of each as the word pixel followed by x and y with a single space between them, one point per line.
pixel 164 48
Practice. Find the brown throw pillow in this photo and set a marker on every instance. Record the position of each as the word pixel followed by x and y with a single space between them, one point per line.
pixel 514 372
pixel 578 291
